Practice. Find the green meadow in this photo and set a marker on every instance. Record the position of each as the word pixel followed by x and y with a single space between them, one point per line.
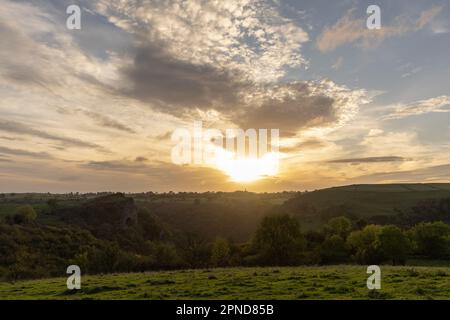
pixel 328 282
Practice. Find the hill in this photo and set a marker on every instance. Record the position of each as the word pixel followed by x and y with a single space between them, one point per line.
pixel 107 232
pixel 389 203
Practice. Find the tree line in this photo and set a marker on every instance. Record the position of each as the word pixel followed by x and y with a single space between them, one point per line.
pixel 29 249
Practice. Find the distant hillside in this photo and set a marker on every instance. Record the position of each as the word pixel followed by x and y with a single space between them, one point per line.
pixel 40 234
pixel 235 215
pixel 371 202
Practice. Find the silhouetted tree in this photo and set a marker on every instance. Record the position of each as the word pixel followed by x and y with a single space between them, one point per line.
pixel 394 245
pixel 432 239
pixel 279 241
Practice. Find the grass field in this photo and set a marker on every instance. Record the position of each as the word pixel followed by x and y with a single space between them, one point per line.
pixel 331 282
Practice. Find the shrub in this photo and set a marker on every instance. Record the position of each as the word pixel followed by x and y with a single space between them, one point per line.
pixel 24 214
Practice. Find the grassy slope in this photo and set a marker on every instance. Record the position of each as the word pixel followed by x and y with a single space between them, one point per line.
pixel 364 201
pixel 331 282
pixel 369 200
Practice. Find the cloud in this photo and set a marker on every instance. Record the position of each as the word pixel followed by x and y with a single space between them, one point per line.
pixel 164 136
pixel 180 88
pixel 18 69
pixel 428 174
pixel 309 143
pixel 227 57
pixel 248 37
pixel 106 121
pixel 427 16
pixel 116 165
pixel 435 104
pixel 350 29
pixel 440 27
pixel 203 55
pixel 161 173
pixel 375 132
pixel 22 129
pixel 3 159
pixel 412 72
pixel 174 85
pixel 338 64
pixel 69 178
pixel 11 138
pixel 140 159
pixel 25 153
pixel 301 105
pixel 369 160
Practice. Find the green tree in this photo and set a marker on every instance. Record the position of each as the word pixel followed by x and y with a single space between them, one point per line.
pixel 194 250
pixel 279 241
pixel 24 214
pixel 333 250
pixel 166 256
pixel 220 253
pixel 394 245
pixel 432 239
pixel 365 245
pixel 340 226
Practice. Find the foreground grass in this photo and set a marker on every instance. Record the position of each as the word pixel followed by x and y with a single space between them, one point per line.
pixel 330 282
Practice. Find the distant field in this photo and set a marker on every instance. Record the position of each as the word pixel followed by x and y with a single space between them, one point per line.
pixel 331 282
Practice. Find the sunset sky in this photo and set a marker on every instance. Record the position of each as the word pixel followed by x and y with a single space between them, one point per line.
pixel 94 109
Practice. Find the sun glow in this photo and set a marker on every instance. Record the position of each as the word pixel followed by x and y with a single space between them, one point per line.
pixel 247 169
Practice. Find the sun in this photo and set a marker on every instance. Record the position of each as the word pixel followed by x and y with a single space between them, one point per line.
pixel 247 169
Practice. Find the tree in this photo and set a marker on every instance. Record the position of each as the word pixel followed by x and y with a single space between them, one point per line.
pixel 333 250
pixel 432 239
pixel 279 241
pixel 220 253
pixel 52 204
pixel 340 226
pixel 394 245
pixel 24 214
pixel 194 250
pixel 365 245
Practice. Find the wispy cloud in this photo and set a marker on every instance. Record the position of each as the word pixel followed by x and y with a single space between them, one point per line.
pixel 368 160
pixel 25 153
pixel 22 129
pixel 427 16
pixel 338 64
pixel 106 121
pixel 350 29
pixel 435 104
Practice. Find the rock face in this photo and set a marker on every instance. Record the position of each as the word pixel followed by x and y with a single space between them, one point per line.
pixel 129 214
pixel 116 210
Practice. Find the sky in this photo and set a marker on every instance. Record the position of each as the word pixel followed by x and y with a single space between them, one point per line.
pixel 95 109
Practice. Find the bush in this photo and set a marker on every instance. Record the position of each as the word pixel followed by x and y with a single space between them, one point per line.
pixel 24 214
